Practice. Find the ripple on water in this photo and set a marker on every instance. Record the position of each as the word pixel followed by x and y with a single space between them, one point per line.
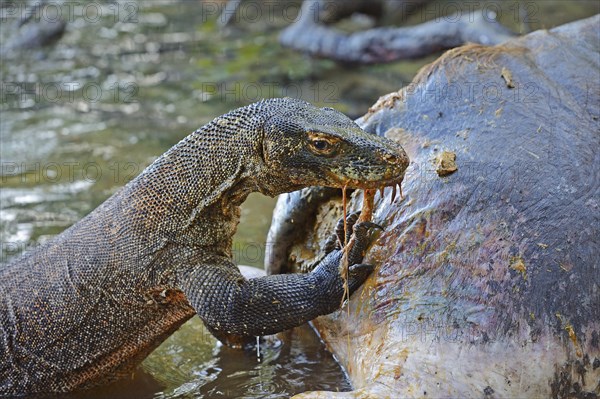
pixel 287 366
pixel 192 364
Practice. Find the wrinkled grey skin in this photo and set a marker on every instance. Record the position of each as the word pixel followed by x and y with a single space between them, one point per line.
pixel 489 277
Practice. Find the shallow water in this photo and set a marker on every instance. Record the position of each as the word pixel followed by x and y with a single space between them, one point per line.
pixel 83 118
pixel 190 364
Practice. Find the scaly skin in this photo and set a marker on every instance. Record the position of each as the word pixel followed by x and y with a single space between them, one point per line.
pixel 88 306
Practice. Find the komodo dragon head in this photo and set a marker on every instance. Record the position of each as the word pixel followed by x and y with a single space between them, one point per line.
pixel 309 146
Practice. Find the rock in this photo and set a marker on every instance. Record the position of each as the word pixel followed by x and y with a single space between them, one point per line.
pixel 35 29
pixel 446 163
pixel 487 280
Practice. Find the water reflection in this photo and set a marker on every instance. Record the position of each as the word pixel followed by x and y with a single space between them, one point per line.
pixel 192 364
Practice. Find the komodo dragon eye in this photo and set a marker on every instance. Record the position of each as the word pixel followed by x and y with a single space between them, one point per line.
pixel 321 145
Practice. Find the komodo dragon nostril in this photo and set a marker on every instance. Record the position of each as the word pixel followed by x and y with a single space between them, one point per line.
pixel 389 158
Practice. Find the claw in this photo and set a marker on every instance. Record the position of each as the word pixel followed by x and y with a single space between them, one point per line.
pixel 344 227
pixel 331 244
pixel 400 189
pixel 393 194
pixel 362 267
pixel 369 225
pixel 381 191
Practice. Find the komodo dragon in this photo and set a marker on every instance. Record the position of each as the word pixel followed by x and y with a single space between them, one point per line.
pixel 88 306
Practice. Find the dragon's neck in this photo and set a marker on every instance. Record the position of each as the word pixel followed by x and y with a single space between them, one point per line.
pixel 191 194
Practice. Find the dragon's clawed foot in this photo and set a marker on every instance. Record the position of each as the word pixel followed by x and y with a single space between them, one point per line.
pixel 343 231
pixel 343 234
pixel 358 248
pixel 357 274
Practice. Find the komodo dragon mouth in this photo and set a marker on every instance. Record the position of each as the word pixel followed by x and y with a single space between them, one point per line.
pixel 391 175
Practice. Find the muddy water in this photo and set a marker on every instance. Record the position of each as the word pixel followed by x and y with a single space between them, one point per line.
pixel 127 81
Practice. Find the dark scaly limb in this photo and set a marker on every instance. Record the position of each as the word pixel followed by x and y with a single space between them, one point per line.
pixel 270 304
